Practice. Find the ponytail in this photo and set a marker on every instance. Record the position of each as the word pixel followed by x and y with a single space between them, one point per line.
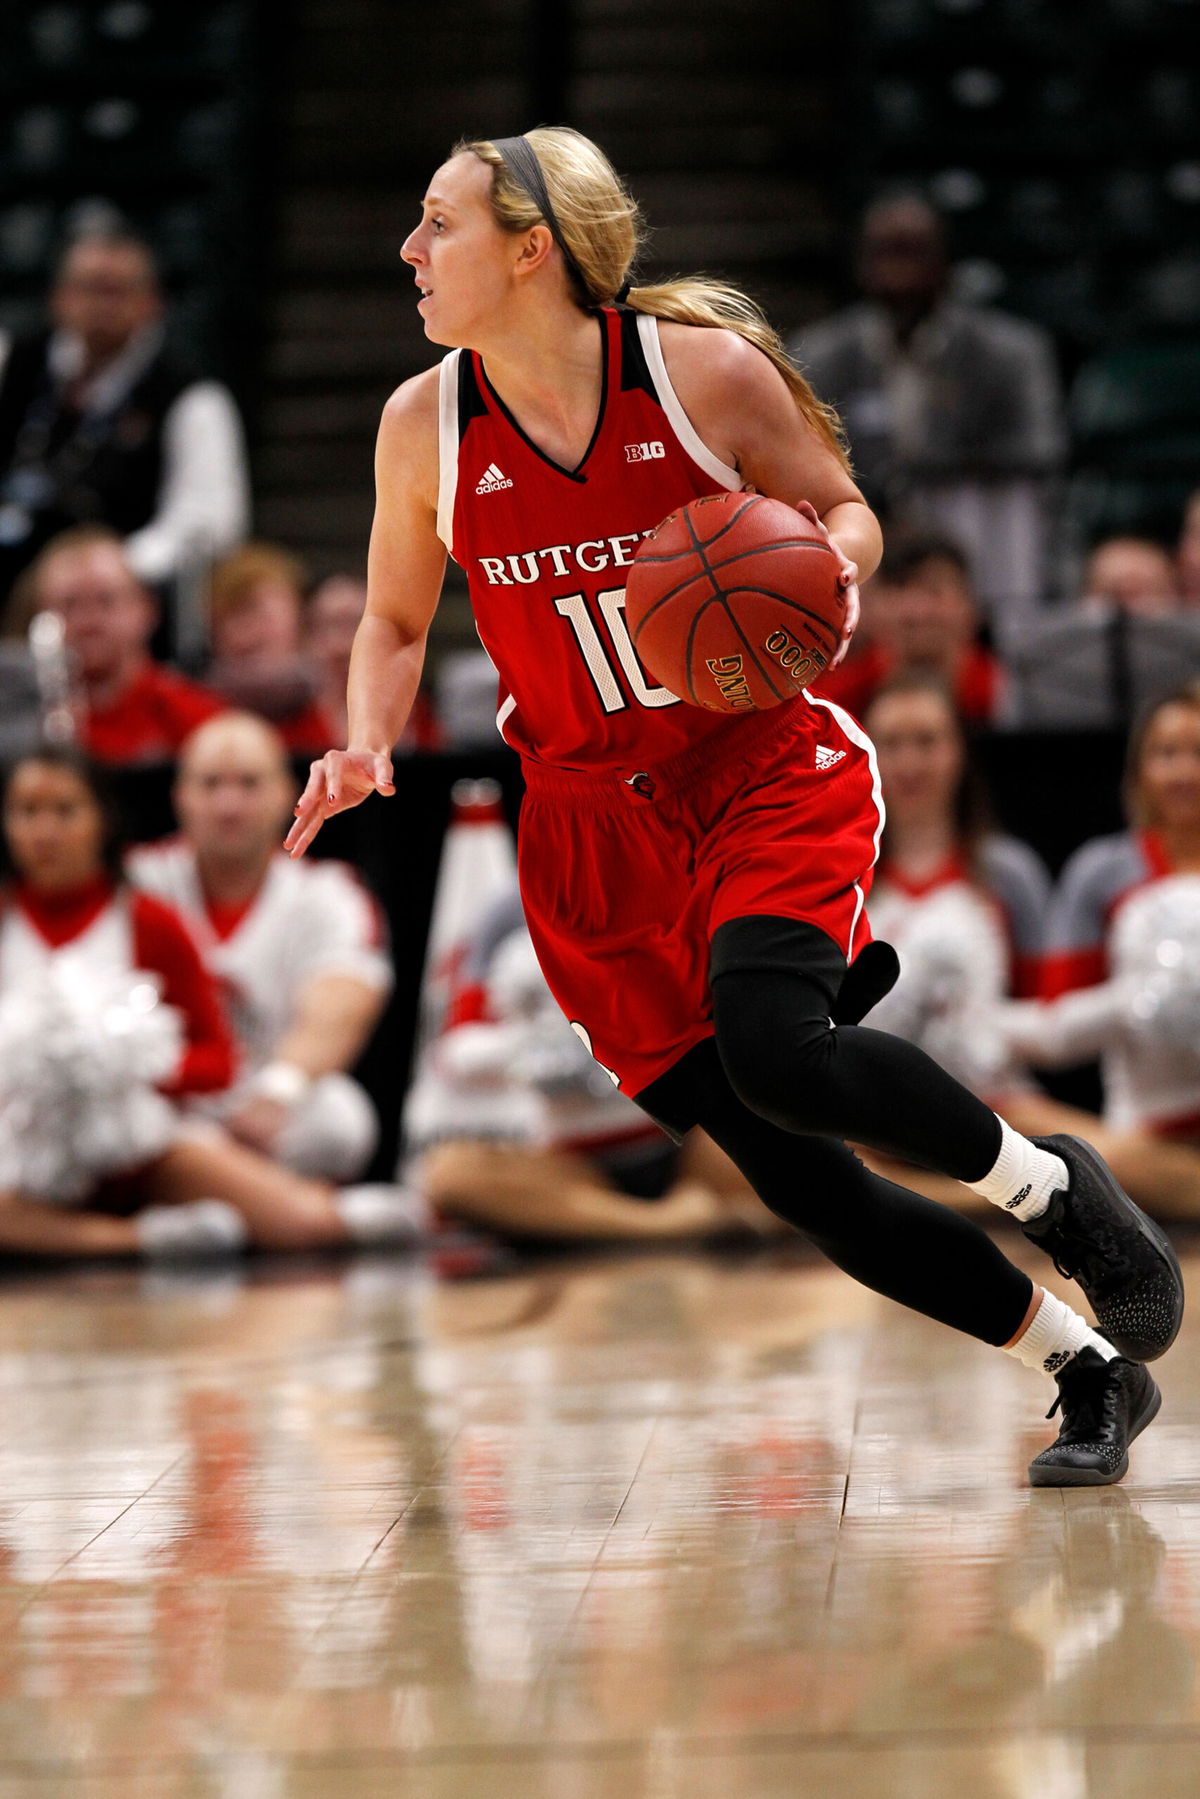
pixel 698 300
pixel 596 223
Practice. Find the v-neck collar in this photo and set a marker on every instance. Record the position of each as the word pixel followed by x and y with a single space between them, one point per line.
pixel 578 473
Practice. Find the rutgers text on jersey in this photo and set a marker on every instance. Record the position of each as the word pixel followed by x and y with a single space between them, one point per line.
pixel 545 548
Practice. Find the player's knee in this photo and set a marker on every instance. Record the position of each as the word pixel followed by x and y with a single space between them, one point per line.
pixel 779 1068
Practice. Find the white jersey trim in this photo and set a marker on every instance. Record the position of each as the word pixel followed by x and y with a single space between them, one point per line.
pixel 447 447
pixel 505 713
pixel 689 438
pixel 857 735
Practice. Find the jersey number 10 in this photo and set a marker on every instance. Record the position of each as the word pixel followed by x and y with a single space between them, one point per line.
pixel 574 609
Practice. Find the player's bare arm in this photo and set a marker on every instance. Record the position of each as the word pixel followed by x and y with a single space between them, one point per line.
pixel 406 563
pixel 742 409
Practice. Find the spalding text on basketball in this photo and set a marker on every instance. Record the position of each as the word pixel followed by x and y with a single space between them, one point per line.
pixel 726 671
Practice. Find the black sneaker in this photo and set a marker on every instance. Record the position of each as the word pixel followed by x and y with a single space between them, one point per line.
pixel 1095 1235
pixel 1105 1405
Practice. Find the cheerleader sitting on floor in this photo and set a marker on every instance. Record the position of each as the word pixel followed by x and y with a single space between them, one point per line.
pixel 107 1021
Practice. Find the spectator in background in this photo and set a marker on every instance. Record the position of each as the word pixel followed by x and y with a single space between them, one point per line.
pixel 256 605
pixel 334 610
pixel 963 903
pixel 108 1022
pixel 966 908
pixel 920 618
pixel 1124 939
pixel 954 412
pixel 1096 664
pixel 1134 574
pixel 100 423
pixel 132 709
pixel 538 1141
pixel 1187 558
pixel 298 948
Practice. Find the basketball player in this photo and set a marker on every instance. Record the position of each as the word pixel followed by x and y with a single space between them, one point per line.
pixel 694 882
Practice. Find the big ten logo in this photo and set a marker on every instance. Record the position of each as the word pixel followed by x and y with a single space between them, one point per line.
pixel 802 665
pixel 726 671
pixel 653 452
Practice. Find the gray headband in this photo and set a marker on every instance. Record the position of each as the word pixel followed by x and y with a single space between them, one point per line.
pixel 520 159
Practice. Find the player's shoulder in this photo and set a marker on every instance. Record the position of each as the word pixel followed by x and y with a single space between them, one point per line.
pixel 714 350
pixel 415 402
pixel 408 432
pixel 720 375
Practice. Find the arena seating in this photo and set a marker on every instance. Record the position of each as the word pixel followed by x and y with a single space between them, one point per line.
pixel 144 107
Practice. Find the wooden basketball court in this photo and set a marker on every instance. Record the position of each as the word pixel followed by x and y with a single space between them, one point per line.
pixel 654 1527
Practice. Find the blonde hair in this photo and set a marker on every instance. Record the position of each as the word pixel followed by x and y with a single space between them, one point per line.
pixel 1137 806
pixel 236 576
pixel 601 225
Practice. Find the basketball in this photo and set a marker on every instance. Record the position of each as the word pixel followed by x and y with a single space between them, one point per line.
pixel 733 602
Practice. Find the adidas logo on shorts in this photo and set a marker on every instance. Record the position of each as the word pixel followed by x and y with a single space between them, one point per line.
pixel 492 480
pixel 827 758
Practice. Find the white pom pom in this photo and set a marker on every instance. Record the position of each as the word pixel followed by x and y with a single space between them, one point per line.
pixel 81 1050
pixel 1156 951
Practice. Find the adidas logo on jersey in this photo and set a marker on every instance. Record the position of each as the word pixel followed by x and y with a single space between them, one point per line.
pixel 492 480
pixel 651 452
pixel 827 758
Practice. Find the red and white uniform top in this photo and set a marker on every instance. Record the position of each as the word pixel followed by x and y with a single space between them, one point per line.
pixel 1123 972
pixel 105 928
pixel 307 919
pixel 545 550
pixel 967 937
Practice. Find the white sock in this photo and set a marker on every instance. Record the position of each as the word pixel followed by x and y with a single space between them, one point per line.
pixel 1022 1178
pixel 376 1215
pixel 1054 1335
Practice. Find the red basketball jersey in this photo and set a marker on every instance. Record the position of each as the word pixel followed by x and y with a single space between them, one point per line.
pixel 545 551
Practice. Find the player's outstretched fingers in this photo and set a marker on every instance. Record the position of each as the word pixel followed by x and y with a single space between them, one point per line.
pixel 304 830
pixel 333 780
pixel 341 779
pixel 314 787
pixel 310 811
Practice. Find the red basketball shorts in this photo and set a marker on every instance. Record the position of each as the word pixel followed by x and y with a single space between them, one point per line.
pixel 625 880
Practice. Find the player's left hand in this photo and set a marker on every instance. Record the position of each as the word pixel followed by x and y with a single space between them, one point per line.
pixel 847 580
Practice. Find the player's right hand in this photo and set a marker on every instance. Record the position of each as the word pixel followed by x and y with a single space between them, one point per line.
pixel 341 779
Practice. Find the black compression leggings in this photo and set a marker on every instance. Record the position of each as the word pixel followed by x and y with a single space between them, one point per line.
pixel 778 1070
pixel 775 987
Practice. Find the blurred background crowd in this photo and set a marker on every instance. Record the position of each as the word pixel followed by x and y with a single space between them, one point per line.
pixel 979 229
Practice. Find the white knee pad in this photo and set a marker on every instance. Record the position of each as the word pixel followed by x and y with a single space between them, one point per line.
pixel 332 1132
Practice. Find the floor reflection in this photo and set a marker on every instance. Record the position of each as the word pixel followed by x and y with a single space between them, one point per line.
pixel 662 1526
